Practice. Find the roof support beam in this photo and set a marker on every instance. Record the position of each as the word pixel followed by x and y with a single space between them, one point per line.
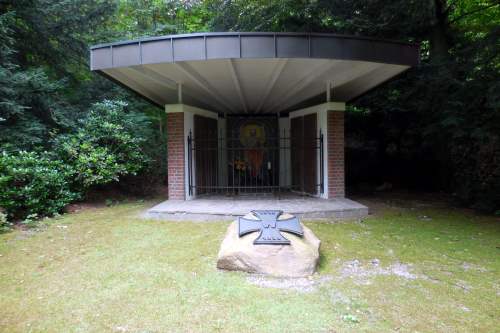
pixel 340 73
pixel 329 86
pixel 179 93
pixel 163 81
pixel 236 81
pixel 135 85
pixel 154 75
pixel 202 83
pixel 368 80
pixel 272 82
pixel 301 83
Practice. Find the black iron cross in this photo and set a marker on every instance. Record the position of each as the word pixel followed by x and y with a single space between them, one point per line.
pixel 270 227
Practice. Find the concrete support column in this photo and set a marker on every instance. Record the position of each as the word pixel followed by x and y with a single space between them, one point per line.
pixel 335 156
pixel 175 150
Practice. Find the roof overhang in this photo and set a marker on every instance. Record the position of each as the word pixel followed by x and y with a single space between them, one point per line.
pixel 252 72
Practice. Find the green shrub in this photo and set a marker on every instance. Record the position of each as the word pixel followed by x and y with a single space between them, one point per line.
pixel 4 224
pixel 32 183
pixel 105 147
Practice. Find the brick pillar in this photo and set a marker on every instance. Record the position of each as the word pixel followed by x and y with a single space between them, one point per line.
pixel 336 183
pixel 175 151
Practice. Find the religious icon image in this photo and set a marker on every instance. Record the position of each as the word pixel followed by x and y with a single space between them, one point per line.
pixel 253 137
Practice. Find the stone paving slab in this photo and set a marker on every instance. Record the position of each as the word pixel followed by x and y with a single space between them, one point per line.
pixel 209 209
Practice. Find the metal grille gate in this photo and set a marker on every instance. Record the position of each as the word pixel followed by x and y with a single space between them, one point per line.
pixel 218 166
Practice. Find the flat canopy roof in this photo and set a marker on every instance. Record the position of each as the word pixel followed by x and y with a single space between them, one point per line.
pixel 252 72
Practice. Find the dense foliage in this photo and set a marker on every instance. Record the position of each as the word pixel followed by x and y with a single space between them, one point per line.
pixel 61 123
pixel 34 183
pixel 106 146
pixel 4 223
pixel 436 127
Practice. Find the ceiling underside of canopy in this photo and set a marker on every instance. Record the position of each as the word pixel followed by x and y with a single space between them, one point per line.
pixel 238 81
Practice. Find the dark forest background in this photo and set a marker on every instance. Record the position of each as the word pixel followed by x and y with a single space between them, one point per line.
pixel 65 131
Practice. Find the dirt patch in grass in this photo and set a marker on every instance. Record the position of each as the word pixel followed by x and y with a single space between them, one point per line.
pixel 363 272
pixel 302 285
pixel 467 266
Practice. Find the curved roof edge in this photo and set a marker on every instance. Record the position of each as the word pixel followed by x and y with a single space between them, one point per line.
pixel 227 45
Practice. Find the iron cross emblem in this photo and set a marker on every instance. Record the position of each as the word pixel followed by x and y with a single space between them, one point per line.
pixel 270 227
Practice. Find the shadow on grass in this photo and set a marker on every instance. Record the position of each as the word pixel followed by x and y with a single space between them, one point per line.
pixel 323 262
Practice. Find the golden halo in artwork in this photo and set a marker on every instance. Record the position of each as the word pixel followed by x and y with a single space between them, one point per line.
pixel 252 135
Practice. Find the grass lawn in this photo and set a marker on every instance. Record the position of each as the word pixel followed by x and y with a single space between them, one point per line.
pixel 409 267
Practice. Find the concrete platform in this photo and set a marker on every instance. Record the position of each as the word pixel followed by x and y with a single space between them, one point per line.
pixel 210 209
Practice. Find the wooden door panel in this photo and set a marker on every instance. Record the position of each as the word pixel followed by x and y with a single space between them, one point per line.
pixel 303 143
pixel 205 155
pixel 296 139
pixel 310 158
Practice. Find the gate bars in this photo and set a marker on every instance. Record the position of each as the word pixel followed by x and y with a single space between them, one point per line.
pixel 218 165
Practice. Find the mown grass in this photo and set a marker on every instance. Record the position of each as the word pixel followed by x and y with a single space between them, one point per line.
pixel 108 270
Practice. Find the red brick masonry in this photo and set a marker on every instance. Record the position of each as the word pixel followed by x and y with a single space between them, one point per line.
pixel 175 147
pixel 336 183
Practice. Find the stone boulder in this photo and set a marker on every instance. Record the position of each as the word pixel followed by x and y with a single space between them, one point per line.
pixel 298 259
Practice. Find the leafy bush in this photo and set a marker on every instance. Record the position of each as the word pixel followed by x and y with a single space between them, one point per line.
pixel 32 183
pixel 4 224
pixel 105 147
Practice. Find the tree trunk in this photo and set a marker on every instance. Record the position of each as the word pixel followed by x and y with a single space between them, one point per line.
pixel 438 35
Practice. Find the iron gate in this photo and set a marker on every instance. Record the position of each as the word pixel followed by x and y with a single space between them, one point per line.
pixel 216 165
